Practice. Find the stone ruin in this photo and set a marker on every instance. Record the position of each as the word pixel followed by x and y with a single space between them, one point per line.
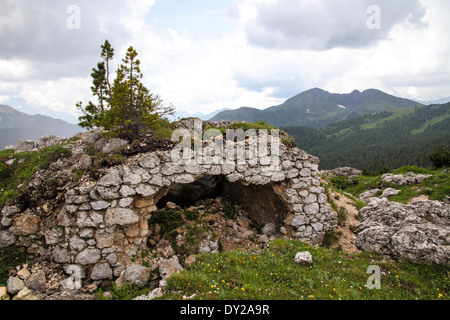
pixel 98 225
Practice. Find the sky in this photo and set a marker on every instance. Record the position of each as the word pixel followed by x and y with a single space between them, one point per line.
pixel 206 55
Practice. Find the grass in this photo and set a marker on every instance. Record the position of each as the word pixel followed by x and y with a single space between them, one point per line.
pixel 436 188
pixel 334 275
pixel 14 178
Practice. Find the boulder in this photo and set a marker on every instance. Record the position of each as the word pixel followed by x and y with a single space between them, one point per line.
pixel 136 275
pixel 419 232
pixel 48 140
pixel 14 285
pixel 303 258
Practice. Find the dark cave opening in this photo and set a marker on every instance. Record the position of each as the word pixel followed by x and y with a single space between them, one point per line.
pixel 261 202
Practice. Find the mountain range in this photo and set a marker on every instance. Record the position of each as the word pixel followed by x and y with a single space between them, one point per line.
pixel 317 108
pixel 16 125
pixel 388 139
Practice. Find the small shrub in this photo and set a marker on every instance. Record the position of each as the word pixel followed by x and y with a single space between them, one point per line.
pixel 341 182
pixel 440 157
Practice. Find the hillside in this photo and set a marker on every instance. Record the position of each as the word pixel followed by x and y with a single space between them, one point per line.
pixel 15 125
pixel 385 139
pixel 317 108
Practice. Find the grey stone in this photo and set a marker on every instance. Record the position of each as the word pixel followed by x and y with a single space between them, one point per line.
pixel 14 285
pixel 77 244
pixel 312 208
pixel 23 146
pixel 6 239
pixel 7 222
pixel 167 267
pixel 52 236
pixel 37 281
pixel 126 191
pixel 277 177
pixel 419 232
pixel 145 190
pixel 303 258
pixel 136 275
pixel 100 205
pixel 48 140
pixel 311 198
pixel 111 179
pixel 88 256
pixel 121 216
pixel 149 162
pixel 269 229
pixel 60 255
pixel 305 172
pixel 184 179
pixel 389 192
pixel 130 177
pixel 9 211
pixel 101 271
pixel 113 144
pixel 125 202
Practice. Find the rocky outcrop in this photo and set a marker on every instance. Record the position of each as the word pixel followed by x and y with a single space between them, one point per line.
pixel 419 232
pixel 342 172
pixel 96 225
pixel 403 180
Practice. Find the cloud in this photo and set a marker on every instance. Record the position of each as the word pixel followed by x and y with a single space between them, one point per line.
pixel 43 31
pixel 325 24
pixel 47 60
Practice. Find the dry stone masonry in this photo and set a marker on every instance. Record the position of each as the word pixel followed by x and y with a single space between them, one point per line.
pixel 99 225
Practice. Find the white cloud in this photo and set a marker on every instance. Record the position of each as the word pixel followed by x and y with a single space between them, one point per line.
pixel 325 24
pixel 265 59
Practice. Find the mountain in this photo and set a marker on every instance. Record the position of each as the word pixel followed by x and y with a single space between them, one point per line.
pixel 184 114
pixel 16 125
pixel 317 108
pixel 383 139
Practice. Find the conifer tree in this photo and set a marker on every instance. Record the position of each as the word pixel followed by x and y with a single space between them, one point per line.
pixel 127 106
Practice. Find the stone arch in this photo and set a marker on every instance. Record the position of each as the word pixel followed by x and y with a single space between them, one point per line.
pixel 263 203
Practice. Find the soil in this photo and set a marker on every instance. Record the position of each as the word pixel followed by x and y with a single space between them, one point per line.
pixel 347 238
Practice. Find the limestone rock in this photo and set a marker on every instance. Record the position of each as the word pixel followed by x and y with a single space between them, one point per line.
pixel 88 256
pixel 27 294
pixel 269 229
pixel 48 140
pixel 303 257
pixel 113 144
pixel 136 275
pixel 101 271
pixel 389 192
pixel 419 232
pixel 167 267
pixel 6 239
pixel 37 281
pixel 14 285
pixel 344 172
pixel 23 146
pixel 25 224
pixel 121 217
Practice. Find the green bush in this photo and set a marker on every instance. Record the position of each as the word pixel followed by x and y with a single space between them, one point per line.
pixel 440 157
pixel 341 182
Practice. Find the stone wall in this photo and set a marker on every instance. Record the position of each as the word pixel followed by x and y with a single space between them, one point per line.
pixel 99 225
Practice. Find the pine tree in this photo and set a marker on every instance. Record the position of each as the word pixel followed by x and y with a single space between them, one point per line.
pixel 127 107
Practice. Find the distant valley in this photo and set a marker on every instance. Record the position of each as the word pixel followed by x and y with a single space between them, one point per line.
pixel 369 129
pixel 383 139
pixel 16 125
